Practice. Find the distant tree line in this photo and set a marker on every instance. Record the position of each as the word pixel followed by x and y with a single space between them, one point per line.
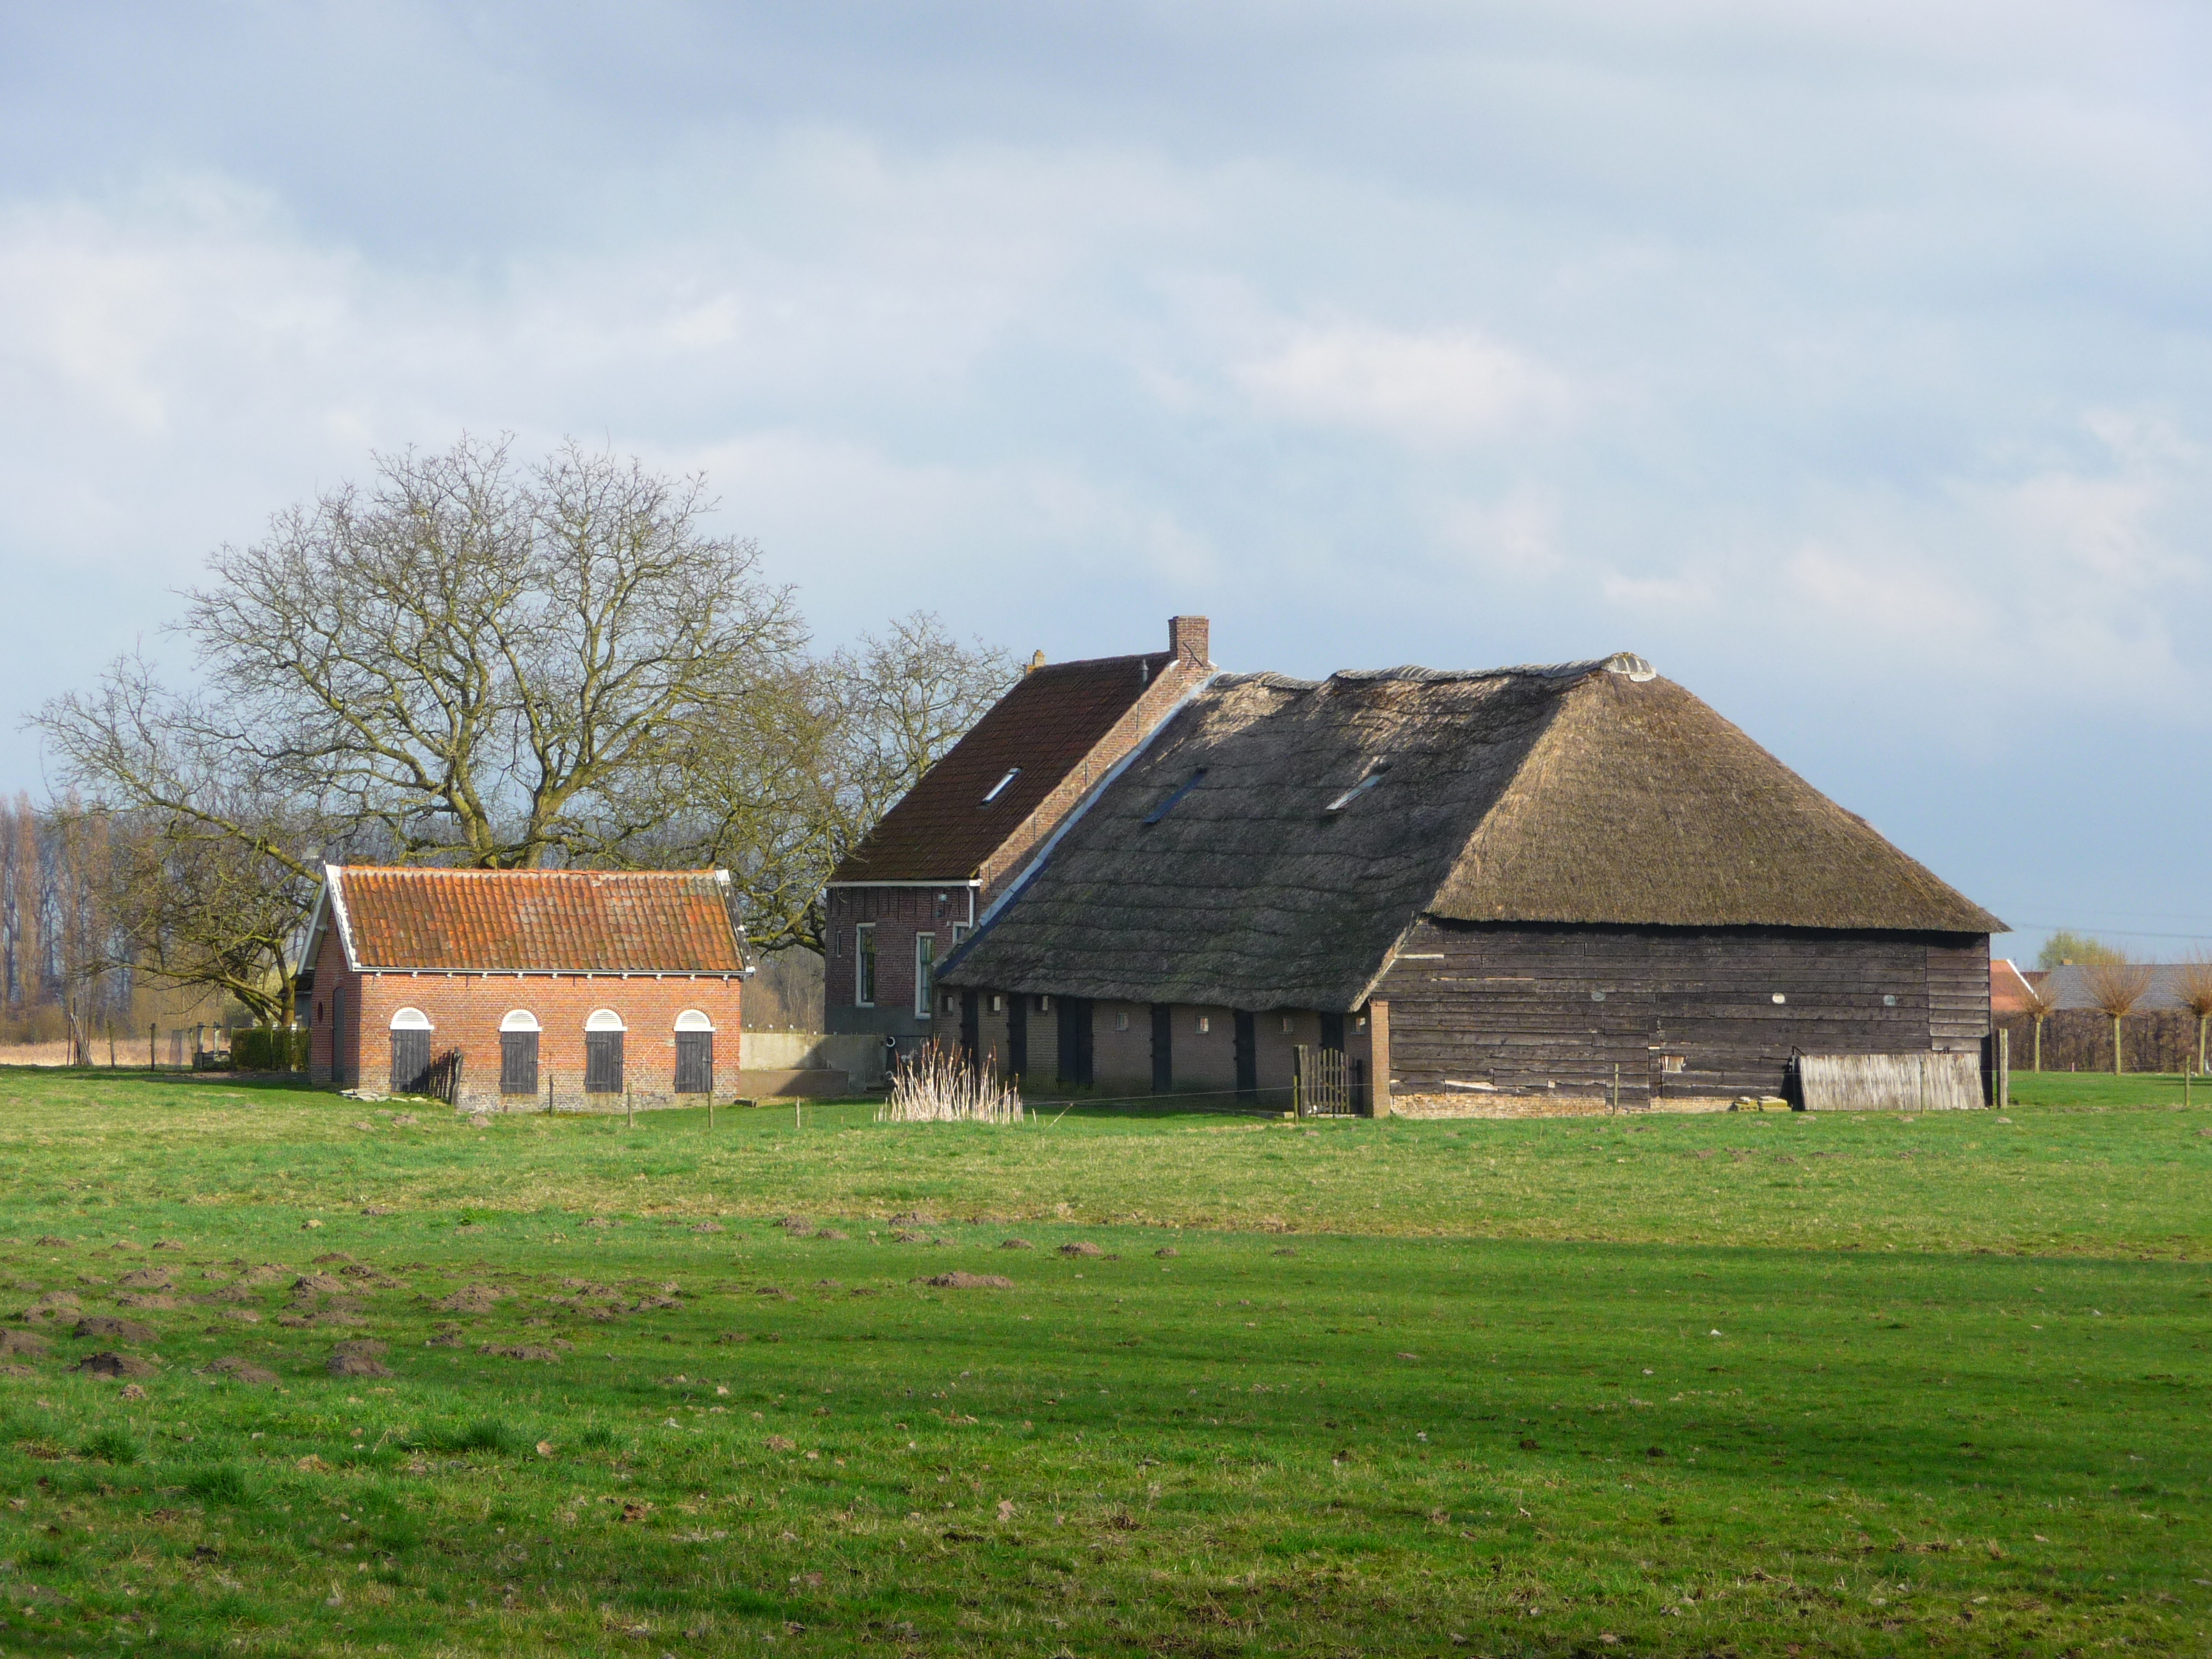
pixel 477 660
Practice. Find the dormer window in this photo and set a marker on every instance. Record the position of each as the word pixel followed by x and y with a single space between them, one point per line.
pixel 1000 787
pixel 1374 777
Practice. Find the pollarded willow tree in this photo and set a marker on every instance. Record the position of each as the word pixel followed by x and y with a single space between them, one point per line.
pixel 2191 985
pixel 2113 987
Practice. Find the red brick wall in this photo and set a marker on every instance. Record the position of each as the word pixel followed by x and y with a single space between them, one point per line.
pixel 898 913
pixel 465 1010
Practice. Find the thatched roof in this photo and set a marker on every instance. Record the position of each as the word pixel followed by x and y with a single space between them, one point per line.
pixel 1584 793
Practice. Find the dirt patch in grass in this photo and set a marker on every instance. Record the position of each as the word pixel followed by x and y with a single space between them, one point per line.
pixel 114 1330
pixel 960 1281
pixel 114 1365
pixel 470 1299
pixel 239 1371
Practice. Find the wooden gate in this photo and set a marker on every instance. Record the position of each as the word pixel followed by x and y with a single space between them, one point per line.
pixel 1321 1083
pixel 441 1079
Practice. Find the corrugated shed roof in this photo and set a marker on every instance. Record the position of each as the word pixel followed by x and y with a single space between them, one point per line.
pixel 1589 793
pixel 538 920
pixel 942 830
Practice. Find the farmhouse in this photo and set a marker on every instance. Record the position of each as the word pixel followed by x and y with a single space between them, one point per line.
pixel 1537 889
pixel 513 987
pixel 911 891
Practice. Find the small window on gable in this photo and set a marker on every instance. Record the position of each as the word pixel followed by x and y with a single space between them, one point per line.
pixel 1000 787
pixel 1044 1005
pixel 1205 1024
pixel 1374 777
pixel 1120 1022
pixel 1170 803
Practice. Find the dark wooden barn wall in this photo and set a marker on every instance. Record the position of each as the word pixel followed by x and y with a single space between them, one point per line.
pixel 1513 1007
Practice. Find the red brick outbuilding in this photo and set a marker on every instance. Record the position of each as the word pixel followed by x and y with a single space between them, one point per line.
pixel 573 986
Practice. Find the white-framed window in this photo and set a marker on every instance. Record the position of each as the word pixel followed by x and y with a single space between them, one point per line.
pixel 864 964
pixel 412 1019
pixel 517 1019
pixel 1290 1025
pixel 925 970
pixel 959 933
pixel 1120 1022
pixel 998 1003
pixel 1205 1024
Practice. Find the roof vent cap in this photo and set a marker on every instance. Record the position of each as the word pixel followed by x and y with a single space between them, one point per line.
pixel 1628 662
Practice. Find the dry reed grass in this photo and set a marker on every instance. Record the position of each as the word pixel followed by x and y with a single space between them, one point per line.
pixel 938 1086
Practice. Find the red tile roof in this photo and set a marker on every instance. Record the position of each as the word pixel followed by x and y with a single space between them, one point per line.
pixel 2007 986
pixel 1055 716
pixel 541 920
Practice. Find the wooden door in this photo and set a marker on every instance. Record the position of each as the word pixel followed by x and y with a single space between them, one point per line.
pixel 411 1062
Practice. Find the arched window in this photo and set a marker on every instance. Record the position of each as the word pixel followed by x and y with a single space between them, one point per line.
pixel 695 1052
pixel 410 1051
pixel 603 1053
pixel 518 1052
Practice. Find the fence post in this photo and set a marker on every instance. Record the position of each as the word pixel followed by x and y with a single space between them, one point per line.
pixel 154 1046
pixel 549 1092
pixel 2004 1068
pixel 629 1112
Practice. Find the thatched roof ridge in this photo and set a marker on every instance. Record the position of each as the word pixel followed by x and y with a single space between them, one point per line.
pixel 1230 867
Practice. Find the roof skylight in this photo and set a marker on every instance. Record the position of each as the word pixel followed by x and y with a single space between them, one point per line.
pixel 1169 805
pixel 1000 787
pixel 1374 777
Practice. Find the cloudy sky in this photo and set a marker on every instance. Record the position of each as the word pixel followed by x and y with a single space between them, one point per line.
pixel 1850 360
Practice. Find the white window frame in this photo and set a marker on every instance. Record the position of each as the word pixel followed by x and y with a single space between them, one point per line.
pixel 925 973
pixel 864 964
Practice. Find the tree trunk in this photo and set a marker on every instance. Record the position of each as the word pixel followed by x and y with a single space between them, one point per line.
pixel 2038 1046
pixel 2200 1044
pixel 2117 1067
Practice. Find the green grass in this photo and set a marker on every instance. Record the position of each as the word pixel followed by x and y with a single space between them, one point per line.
pixel 1853 1385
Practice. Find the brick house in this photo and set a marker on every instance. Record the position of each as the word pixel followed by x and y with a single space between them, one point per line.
pixel 912 891
pixel 576 986
pixel 1537 890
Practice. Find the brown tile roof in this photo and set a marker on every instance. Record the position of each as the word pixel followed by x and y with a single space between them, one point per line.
pixel 2008 986
pixel 543 921
pixel 1055 716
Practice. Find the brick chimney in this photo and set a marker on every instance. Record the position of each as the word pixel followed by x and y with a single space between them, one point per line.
pixel 1188 639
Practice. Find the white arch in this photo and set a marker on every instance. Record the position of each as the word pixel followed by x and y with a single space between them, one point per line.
pixel 604 1019
pixel 412 1019
pixel 519 1019
pixel 691 1020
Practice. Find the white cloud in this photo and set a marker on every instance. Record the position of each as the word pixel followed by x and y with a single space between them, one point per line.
pixel 1436 389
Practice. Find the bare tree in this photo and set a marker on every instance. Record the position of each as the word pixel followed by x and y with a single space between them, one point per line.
pixel 2191 985
pixel 481 660
pixel 2041 1002
pixel 2113 988
pixel 780 796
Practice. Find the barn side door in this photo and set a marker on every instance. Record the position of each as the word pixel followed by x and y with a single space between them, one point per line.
pixel 411 1062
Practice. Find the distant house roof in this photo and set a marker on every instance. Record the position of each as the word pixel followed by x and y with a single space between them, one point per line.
pixel 2067 986
pixel 944 829
pixel 2009 989
pixel 532 921
pixel 1273 842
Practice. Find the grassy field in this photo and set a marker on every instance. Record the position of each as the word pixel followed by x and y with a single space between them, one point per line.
pixel 1744 1384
